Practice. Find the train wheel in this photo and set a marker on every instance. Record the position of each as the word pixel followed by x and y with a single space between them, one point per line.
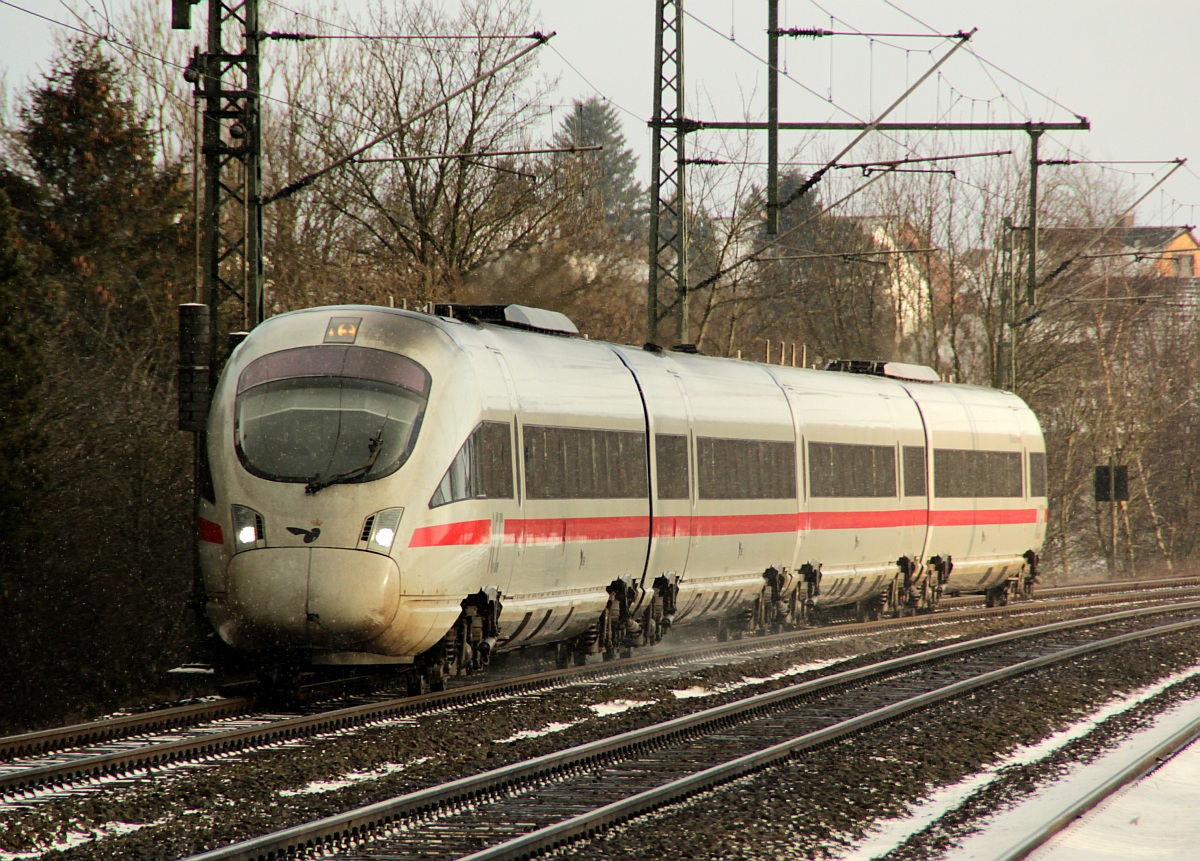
pixel 280 681
pixel 562 655
pixel 414 684
pixel 437 677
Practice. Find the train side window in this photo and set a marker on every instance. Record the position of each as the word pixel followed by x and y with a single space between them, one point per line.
pixel 671 454
pixel 839 470
pixel 970 474
pixel 582 463
pixel 745 468
pixel 482 469
pixel 1037 473
pixel 914 470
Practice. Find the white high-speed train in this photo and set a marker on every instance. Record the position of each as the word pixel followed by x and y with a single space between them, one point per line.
pixel 394 487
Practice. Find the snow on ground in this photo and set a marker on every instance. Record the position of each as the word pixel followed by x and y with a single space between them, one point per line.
pixel 79 838
pixel 1004 829
pixel 613 707
pixel 748 681
pixel 556 726
pixel 352 777
pixel 1157 817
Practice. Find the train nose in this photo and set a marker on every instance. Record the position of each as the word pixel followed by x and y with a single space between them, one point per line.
pixel 324 598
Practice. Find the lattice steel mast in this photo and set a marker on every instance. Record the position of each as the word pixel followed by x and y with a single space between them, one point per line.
pixel 226 77
pixel 668 186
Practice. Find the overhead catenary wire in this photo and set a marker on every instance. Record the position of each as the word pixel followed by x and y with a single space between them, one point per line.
pixel 431 37
pixel 1065 264
pixel 819 174
pixel 845 255
pixel 309 179
pixel 989 63
pixel 485 154
pixel 817 33
pixel 757 254
pixel 595 89
pixel 127 44
pixel 788 77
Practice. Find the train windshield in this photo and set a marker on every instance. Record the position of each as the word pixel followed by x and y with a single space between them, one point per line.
pixel 329 415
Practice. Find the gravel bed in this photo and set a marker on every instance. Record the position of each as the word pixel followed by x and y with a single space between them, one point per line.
pixel 186 810
pixel 819 804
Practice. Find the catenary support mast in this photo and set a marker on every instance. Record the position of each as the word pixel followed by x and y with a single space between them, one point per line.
pixel 226 78
pixel 668 189
pixel 668 199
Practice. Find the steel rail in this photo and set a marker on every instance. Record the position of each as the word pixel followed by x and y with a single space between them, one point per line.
pixel 120 726
pixel 156 754
pixel 1132 772
pixel 612 814
pixel 327 834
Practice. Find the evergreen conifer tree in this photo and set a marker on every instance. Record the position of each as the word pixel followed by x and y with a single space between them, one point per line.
pixel 610 174
pixel 112 221
pixel 20 380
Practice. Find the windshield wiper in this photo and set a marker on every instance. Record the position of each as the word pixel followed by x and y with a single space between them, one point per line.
pixel 374 445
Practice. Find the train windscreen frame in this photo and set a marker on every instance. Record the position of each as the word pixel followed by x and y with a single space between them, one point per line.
pixel 328 414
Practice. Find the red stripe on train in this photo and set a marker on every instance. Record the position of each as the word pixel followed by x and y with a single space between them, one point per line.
pixel 983 517
pixel 554 530
pixel 452 534
pixel 864 519
pixel 210 532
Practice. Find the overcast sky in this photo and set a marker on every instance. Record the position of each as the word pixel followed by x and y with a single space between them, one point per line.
pixel 1129 67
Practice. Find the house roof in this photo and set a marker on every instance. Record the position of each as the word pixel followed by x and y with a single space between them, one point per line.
pixel 1139 239
pixel 1148 237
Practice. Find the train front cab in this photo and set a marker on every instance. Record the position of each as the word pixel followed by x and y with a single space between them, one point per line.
pixel 320 422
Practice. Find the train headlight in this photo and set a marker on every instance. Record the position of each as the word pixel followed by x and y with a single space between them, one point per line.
pixel 379 530
pixel 247 529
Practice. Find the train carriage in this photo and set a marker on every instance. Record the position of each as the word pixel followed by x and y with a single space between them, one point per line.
pixel 395 487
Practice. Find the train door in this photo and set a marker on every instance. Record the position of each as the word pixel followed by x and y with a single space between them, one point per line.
pixel 675 489
pixel 502 553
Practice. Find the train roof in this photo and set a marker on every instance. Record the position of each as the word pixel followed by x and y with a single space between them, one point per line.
pixel 524 320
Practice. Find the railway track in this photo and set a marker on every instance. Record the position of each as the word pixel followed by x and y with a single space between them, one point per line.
pixel 43 764
pixel 1066 812
pixel 530 806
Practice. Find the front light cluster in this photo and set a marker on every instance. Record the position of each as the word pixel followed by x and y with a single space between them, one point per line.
pixel 379 530
pixel 247 529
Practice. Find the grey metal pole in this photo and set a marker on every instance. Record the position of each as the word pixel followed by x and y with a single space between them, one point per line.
pixel 1031 282
pixel 772 117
